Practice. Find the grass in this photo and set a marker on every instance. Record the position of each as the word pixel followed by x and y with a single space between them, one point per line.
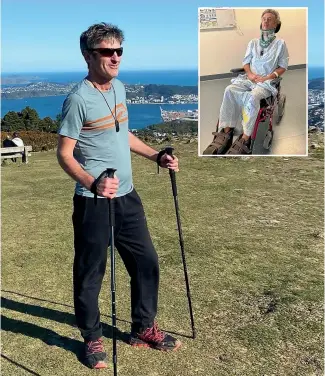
pixel 253 234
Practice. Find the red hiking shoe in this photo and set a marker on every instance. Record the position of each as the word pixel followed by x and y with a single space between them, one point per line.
pixel 155 338
pixel 95 355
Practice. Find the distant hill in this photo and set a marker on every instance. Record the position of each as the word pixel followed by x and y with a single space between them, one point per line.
pixel 184 130
pixel 45 89
pixel 176 127
pixel 316 84
pixel 17 79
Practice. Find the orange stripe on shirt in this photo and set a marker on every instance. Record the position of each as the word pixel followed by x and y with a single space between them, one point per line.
pixel 122 119
pixel 105 126
pixel 111 124
pixel 120 107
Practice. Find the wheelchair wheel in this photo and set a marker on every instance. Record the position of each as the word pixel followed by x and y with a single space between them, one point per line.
pixel 281 108
pixel 268 140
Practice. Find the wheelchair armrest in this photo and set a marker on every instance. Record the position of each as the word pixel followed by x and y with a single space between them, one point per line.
pixel 276 81
pixel 237 70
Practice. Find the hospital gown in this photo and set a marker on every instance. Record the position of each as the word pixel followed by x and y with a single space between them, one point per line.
pixel 242 97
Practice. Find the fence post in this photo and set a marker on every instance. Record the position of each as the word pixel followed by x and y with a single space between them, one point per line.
pixel 25 155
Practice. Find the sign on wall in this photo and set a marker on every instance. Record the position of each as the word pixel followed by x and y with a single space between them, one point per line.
pixel 217 18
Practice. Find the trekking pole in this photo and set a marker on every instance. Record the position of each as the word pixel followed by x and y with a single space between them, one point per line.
pixel 110 174
pixel 169 151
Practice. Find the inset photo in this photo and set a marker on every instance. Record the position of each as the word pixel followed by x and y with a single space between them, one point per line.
pixel 253 89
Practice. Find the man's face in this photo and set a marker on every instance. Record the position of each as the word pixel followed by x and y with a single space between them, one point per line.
pixel 268 21
pixel 101 64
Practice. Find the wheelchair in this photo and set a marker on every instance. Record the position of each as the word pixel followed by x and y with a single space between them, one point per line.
pixel 268 107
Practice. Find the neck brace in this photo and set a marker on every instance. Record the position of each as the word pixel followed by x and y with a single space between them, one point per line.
pixel 267 37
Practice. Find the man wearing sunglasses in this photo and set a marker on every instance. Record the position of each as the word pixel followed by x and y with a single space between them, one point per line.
pixel 92 137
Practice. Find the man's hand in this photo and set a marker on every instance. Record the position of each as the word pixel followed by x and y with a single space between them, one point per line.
pixel 108 187
pixel 167 161
pixel 253 77
pixel 262 79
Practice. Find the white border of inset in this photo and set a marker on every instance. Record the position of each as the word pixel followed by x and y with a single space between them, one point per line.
pixel 199 86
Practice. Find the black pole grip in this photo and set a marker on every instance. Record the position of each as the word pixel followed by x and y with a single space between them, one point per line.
pixel 110 172
pixel 169 151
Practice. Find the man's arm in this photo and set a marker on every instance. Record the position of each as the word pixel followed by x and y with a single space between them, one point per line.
pixel 70 165
pixel 279 71
pixel 247 69
pixel 247 61
pixel 106 187
pixel 272 75
pixel 250 75
pixel 139 147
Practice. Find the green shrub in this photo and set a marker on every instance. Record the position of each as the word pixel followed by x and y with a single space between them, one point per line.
pixel 40 141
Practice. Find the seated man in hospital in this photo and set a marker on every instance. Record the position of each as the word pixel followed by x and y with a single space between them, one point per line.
pixel 266 58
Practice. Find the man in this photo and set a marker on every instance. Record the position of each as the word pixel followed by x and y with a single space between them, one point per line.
pixel 266 58
pixel 94 136
pixel 17 140
pixel 8 143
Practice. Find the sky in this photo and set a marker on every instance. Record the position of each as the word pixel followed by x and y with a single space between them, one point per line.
pixel 43 35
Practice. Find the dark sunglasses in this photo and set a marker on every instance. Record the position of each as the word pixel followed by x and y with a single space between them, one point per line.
pixel 108 52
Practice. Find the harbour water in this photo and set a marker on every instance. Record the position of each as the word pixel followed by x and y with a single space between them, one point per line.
pixel 140 115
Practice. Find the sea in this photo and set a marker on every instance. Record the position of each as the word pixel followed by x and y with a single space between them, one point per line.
pixel 140 115
pixel 315 72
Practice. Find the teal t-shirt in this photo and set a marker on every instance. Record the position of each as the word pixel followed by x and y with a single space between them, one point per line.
pixel 87 119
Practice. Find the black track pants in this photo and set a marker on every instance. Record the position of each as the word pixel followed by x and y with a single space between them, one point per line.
pixel 133 242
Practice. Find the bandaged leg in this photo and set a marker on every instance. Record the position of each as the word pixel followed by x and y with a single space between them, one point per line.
pixel 251 107
pixel 230 110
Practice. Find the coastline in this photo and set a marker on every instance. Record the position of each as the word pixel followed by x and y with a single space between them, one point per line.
pixel 166 103
pixel 62 95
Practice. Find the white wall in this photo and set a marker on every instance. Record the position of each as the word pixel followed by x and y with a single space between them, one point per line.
pixel 221 50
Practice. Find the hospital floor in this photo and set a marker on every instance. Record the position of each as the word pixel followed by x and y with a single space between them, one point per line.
pixel 290 136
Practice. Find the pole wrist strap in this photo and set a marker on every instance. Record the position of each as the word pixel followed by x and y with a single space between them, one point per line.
pixel 158 160
pixel 93 188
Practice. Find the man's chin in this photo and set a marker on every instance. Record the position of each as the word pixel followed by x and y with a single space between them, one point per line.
pixel 113 73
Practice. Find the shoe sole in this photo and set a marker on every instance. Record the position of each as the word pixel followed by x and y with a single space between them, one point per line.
pixel 140 343
pixel 210 150
pixel 101 365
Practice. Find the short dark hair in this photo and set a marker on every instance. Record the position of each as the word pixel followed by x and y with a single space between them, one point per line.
pixel 99 32
pixel 15 134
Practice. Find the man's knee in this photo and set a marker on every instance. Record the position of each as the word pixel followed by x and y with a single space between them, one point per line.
pixel 230 88
pixel 229 93
pixel 257 94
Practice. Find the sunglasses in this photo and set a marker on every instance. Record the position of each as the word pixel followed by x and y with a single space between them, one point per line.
pixel 108 52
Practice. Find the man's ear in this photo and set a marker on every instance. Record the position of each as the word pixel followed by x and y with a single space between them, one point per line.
pixel 86 56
